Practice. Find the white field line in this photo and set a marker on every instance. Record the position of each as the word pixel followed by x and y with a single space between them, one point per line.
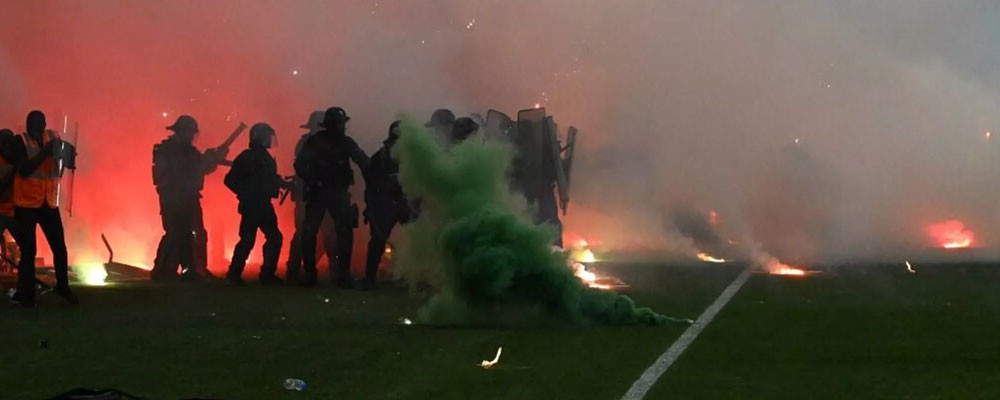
pixel 653 373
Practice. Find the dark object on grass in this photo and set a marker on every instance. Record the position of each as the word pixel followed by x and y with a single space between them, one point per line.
pixel 92 394
pixel 43 344
pixel 121 272
pixel 43 285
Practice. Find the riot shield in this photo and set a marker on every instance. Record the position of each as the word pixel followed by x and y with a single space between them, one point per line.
pixel 567 167
pixel 562 184
pixel 498 126
pixel 528 140
pixel 65 156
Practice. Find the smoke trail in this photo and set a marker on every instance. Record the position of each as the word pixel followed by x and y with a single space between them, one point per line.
pixel 475 247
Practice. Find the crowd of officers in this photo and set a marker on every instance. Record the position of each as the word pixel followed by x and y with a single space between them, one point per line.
pixel 320 187
pixel 32 164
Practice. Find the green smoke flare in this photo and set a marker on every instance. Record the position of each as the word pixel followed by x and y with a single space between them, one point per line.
pixel 475 248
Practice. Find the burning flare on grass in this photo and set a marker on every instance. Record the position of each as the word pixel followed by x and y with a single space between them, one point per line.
pixel 951 234
pixel 776 267
pixel 91 273
pixel 577 261
pixel 592 280
pixel 585 256
pixel 489 364
pixel 707 258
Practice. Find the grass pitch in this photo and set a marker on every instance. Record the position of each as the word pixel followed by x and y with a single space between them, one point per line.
pixel 859 331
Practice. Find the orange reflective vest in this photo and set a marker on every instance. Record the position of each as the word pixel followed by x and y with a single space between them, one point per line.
pixel 42 186
pixel 7 196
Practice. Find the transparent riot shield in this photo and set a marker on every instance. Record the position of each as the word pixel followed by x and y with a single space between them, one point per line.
pixel 65 157
pixel 529 163
pixel 498 127
pixel 555 161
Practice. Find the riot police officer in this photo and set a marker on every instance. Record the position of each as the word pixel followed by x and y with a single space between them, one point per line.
pixel 385 204
pixel 297 190
pixel 179 171
pixel 255 181
pixel 324 166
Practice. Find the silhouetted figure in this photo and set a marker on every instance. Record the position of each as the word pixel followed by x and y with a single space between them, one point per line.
pixel 179 171
pixel 9 143
pixel 255 181
pixel 297 193
pixel 385 203
pixel 441 122
pixel 36 201
pixel 324 166
pixel 545 196
pixel 533 172
pixel 462 129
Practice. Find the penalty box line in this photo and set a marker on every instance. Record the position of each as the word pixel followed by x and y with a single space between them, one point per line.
pixel 653 373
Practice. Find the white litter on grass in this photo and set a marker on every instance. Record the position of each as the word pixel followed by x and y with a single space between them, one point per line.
pixel 909 268
pixel 405 321
pixel 489 364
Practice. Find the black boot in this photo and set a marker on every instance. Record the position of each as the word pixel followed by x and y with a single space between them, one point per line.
pixel 22 299
pixel 64 292
pixel 308 280
pixel 270 280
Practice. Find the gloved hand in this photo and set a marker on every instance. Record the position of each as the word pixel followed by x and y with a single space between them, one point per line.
pixel 51 145
pixel 217 154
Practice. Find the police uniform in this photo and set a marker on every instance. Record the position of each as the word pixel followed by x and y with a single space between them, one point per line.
pixel 326 231
pixel 179 171
pixel 255 181
pixel 385 203
pixel 324 166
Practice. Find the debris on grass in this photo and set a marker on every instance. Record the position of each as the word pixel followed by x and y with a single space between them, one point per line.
pixel 909 268
pixel 489 364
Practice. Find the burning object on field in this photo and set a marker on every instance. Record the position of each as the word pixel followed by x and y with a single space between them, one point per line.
pixel 773 266
pixel 950 234
pixel 489 364
pixel 595 281
pixel 95 273
pixel 708 258
pixel 91 273
pixel 579 257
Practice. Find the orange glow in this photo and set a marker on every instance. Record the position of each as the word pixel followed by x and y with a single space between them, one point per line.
pixel 580 271
pixel 775 267
pixel 950 234
pixel 713 217
pixel 594 281
pixel 707 258
pixel 788 271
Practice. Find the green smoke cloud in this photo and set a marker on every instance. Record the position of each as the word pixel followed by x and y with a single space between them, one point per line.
pixel 476 250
